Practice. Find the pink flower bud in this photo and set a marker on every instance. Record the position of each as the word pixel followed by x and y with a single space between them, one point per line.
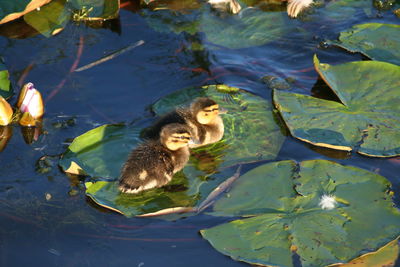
pixel 30 100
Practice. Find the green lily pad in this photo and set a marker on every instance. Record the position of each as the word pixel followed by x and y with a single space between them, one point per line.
pixel 100 154
pixel 285 214
pixel 252 28
pixel 366 121
pixel 53 17
pixel 251 133
pixel 385 256
pixel 49 19
pixel 11 10
pixel 5 84
pixel 375 40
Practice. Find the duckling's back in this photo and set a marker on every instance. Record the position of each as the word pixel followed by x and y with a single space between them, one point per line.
pixel 149 165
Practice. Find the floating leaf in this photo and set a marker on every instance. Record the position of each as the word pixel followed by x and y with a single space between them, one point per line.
pixel 252 28
pixel 366 121
pixel 101 153
pixel 251 134
pixel 5 84
pixel 50 19
pixel 286 215
pixel 385 256
pixel 375 40
pixel 11 10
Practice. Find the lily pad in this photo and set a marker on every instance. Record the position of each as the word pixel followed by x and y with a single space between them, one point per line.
pixel 251 133
pixel 366 121
pixel 100 154
pixel 252 27
pixel 11 10
pixel 50 19
pixel 385 256
pixel 285 214
pixel 5 84
pixel 53 17
pixel 375 40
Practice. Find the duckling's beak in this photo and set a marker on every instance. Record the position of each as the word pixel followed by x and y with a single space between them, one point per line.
pixel 222 110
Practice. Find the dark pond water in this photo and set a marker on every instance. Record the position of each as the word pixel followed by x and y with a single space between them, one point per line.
pixel 45 218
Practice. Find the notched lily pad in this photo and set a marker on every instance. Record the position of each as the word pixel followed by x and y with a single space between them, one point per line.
pixel 100 154
pixel 251 133
pixel 375 40
pixel 324 212
pixel 366 121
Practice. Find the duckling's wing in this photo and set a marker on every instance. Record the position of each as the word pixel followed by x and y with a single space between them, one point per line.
pixel 148 166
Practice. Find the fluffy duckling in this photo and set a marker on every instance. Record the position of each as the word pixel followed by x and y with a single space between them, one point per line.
pixel 202 117
pixel 294 7
pixel 153 163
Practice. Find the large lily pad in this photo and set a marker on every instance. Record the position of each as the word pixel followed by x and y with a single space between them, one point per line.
pixel 366 121
pixel 285 214
pixel 251 133
pixel 252 28
pixel 100 154
pixel 375 40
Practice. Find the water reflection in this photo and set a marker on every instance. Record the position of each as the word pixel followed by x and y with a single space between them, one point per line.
pixel 31 133
pixel 5 136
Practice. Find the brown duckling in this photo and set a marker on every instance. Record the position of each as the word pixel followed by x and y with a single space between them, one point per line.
pixel 202 117
pixel 153 163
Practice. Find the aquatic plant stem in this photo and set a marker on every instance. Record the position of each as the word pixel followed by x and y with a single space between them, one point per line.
pixel 25 73
pixel 72 69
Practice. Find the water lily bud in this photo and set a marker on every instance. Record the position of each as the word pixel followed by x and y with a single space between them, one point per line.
pixel 6 112
pixel 27 120
pixel 30 100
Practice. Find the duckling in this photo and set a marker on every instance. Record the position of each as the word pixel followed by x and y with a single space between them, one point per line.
pixel 294 7
pixel 202 117
pixel 153 163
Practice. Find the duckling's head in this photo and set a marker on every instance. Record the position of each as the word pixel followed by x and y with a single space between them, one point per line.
pixel 175 136
pixel 205 109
